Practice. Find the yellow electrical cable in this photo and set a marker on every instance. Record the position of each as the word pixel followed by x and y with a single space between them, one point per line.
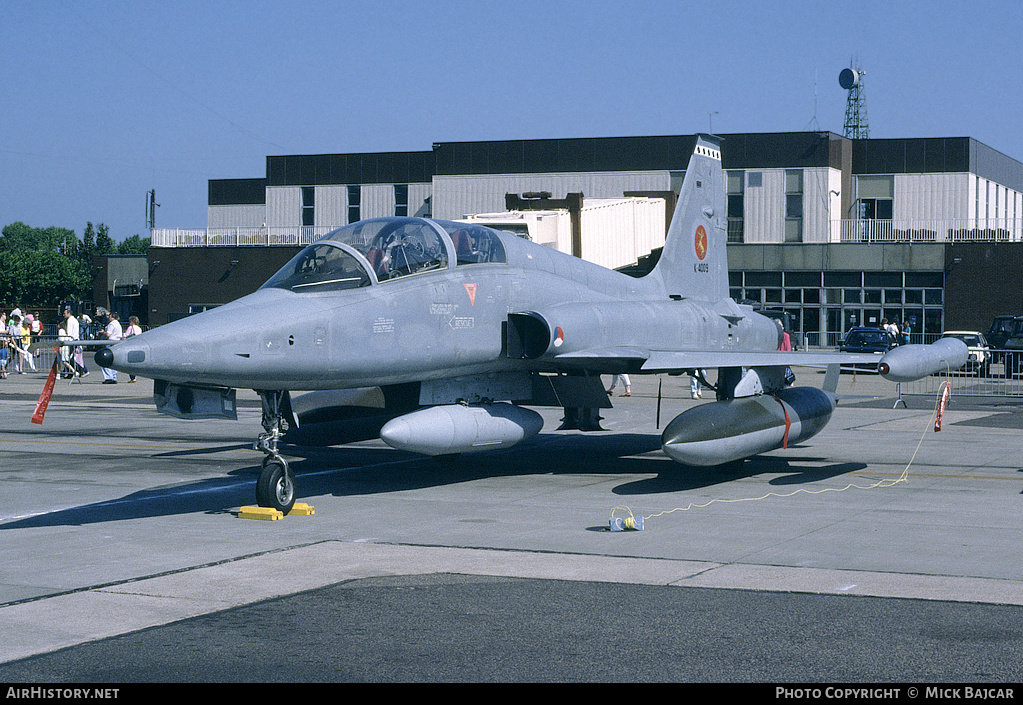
pixel 629 522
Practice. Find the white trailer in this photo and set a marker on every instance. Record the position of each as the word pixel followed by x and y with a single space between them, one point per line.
pixel 615 231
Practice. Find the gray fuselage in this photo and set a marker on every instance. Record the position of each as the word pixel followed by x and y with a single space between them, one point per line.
pixel 433 324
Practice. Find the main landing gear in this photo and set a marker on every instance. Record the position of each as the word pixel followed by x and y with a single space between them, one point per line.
pixel 276 485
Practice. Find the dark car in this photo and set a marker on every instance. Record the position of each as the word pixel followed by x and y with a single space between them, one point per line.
pixel 864 340
pixel 1014 348
pixel 998 333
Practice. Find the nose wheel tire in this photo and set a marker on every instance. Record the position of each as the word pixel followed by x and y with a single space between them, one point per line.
pixel 276 486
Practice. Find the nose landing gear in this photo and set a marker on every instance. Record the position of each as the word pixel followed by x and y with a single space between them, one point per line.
pixel 276 485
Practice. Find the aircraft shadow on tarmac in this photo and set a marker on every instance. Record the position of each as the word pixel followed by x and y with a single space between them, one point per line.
pixel 357 470
pixel 678 478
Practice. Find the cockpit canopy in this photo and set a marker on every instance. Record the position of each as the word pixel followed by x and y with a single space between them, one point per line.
pixel 382 249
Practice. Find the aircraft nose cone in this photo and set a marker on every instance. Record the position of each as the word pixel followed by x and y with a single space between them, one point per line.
pixel 105 357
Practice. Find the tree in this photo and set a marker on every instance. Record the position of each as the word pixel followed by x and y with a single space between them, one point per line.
pixel 134 245
pixel 88 246
pixel 105 244
pixel 18 236
pixel 49 277
pixel 39 266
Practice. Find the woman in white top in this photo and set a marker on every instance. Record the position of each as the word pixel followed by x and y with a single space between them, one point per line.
pixel 133 329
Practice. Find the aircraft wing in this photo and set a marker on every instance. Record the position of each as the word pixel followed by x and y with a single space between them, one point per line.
pixel 670 361
pixel 654 361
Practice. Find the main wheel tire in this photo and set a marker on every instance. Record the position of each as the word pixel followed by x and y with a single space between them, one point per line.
pixel 275 487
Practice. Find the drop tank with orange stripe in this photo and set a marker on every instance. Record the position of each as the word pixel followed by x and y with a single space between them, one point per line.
pixel 725 431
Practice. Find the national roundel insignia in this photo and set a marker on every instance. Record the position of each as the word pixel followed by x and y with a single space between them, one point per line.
pixel 701 242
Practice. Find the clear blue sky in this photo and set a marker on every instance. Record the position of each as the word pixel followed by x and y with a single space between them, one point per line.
pixel 103 100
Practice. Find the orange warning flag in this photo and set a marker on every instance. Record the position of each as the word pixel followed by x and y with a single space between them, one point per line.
pixel 44 398
pixel 941 406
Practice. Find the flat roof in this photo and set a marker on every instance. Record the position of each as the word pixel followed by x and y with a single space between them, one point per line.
pixel 771 150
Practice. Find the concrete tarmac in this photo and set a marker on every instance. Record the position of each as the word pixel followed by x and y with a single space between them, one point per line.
pixel 125 558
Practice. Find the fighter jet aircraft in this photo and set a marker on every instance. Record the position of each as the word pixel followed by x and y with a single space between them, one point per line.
pixel 438 336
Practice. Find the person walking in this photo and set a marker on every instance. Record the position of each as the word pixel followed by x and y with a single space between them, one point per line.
pixel 133 329
pixel 625 382
pixel 26 341
pixel 112 332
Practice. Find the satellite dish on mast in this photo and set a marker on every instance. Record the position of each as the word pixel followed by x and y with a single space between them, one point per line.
pixel 856 125
pixel 848 78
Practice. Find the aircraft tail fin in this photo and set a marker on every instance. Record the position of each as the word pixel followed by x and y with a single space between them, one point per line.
pixel 694 264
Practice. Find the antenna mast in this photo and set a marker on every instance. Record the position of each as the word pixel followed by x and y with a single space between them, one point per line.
pixel 151 206
pixel 856 124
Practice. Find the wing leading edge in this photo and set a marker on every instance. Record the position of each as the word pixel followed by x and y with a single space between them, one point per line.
pixel 665 361
pixel 671 361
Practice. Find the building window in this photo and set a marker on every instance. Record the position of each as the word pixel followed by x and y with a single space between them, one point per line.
pixel 793 205
pixel 401 199
pixel 308 206
pixel 876 194
pixel 736 206
pixel 354 203
pixel 876 208
pixel 833 302
pixel 976 198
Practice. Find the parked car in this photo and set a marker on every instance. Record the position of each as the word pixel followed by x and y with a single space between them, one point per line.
pixel 860 340
pixel 980 357
pixel 1014 348
pixel 998 333
pixel 867 340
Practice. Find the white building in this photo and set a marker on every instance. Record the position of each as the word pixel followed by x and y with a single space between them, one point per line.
pixel 839 232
